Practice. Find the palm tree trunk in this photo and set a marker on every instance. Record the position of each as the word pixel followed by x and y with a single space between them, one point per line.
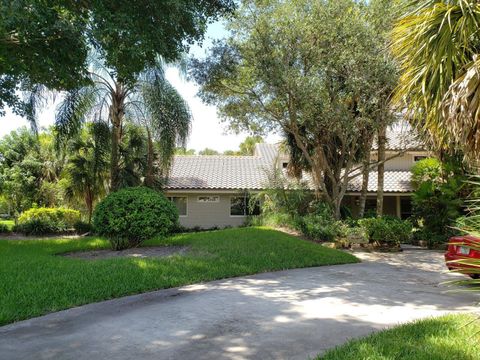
pixel 89 204
pixel 114 162
pixel 149 180
pixel 382 139
pixel 365 176
pixel 116 118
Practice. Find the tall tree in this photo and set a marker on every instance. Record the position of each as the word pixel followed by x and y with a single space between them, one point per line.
pixel 47 42
pixel 366 168
pixel 167 121
pixel 29 170
pixel 307 68
pixel 382 140
pixel 381 14
pixel 87 167
pixel 437 44
pixel 149 100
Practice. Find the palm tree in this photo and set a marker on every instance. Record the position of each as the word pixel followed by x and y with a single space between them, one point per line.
pixel 381 140
pixel 148 100
pixel 436 43
pixel 87 165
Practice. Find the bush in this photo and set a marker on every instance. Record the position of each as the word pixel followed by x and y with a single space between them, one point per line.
pixel 387 230
pixel 426 170
pixel 317 225
pixel 131 215
pixel 440 190
pixel 4 229
pixel 432 239
pixel 273 219
pixel 42 221
pixel 82 227
pixel 322 228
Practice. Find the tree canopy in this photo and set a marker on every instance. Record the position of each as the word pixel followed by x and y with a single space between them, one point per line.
pixel 47 42
pixel 316 71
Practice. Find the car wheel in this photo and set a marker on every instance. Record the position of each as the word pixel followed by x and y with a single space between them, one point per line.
pixel 475 276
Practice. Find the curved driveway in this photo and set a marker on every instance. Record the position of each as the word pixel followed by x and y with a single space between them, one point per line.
pixel 290 314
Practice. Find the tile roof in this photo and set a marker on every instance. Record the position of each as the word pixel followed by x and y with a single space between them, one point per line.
pixel 402 137
pixel 223 172
pixel 395 181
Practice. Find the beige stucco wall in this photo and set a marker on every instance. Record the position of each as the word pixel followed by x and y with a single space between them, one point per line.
pixel 208 215
pixel 401 162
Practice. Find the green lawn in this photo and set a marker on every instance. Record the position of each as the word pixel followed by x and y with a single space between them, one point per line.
pixel 444 338
pixel 9 223
pixel 33 281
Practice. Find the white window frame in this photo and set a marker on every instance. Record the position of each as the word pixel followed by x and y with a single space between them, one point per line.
pixel 186 203
pixel 215 197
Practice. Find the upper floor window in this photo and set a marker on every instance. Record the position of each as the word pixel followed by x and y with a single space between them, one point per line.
pixel 284 164
pixel 419 157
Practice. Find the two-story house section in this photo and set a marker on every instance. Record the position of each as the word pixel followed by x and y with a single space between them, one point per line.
pixel 403 149
pixel 212 191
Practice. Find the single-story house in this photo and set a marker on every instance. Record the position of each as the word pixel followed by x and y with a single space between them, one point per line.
pixel 212 190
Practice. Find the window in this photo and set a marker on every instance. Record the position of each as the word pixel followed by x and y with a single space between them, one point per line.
pixel 237 206
pixel 181 204
pixel 284 165
pixel 242 206
pixel 405 207
pixel 419 157
pixel 371 205
pixel 208 199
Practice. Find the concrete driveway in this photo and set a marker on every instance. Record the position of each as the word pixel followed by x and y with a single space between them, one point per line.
pixel 290 314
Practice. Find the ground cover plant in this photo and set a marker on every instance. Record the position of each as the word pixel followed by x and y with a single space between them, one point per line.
pixel 34 281
pixel 443 338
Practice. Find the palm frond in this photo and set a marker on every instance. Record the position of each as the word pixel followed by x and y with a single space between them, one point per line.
pixel 461 108
pixel 34 100
pixel 72 112
pixel 433 43
pixel 169 115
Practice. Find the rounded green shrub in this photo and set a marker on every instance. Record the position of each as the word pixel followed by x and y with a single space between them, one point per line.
pixel 42 221
pixel 426 170
pixel 131 215
pixel 387 230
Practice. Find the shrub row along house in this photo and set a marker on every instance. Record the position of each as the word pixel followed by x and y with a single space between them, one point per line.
pixel 213 191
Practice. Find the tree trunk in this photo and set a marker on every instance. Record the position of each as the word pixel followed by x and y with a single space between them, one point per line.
pixel 365 176
pixel 382 139
pixel 89 205
pixel 116 118
pixel 149 178
pixel 338 206
pixel 115 158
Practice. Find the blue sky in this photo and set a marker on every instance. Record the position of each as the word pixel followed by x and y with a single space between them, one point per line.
pixel 207 130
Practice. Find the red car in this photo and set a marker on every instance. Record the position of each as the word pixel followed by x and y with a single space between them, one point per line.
pixel 464 248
